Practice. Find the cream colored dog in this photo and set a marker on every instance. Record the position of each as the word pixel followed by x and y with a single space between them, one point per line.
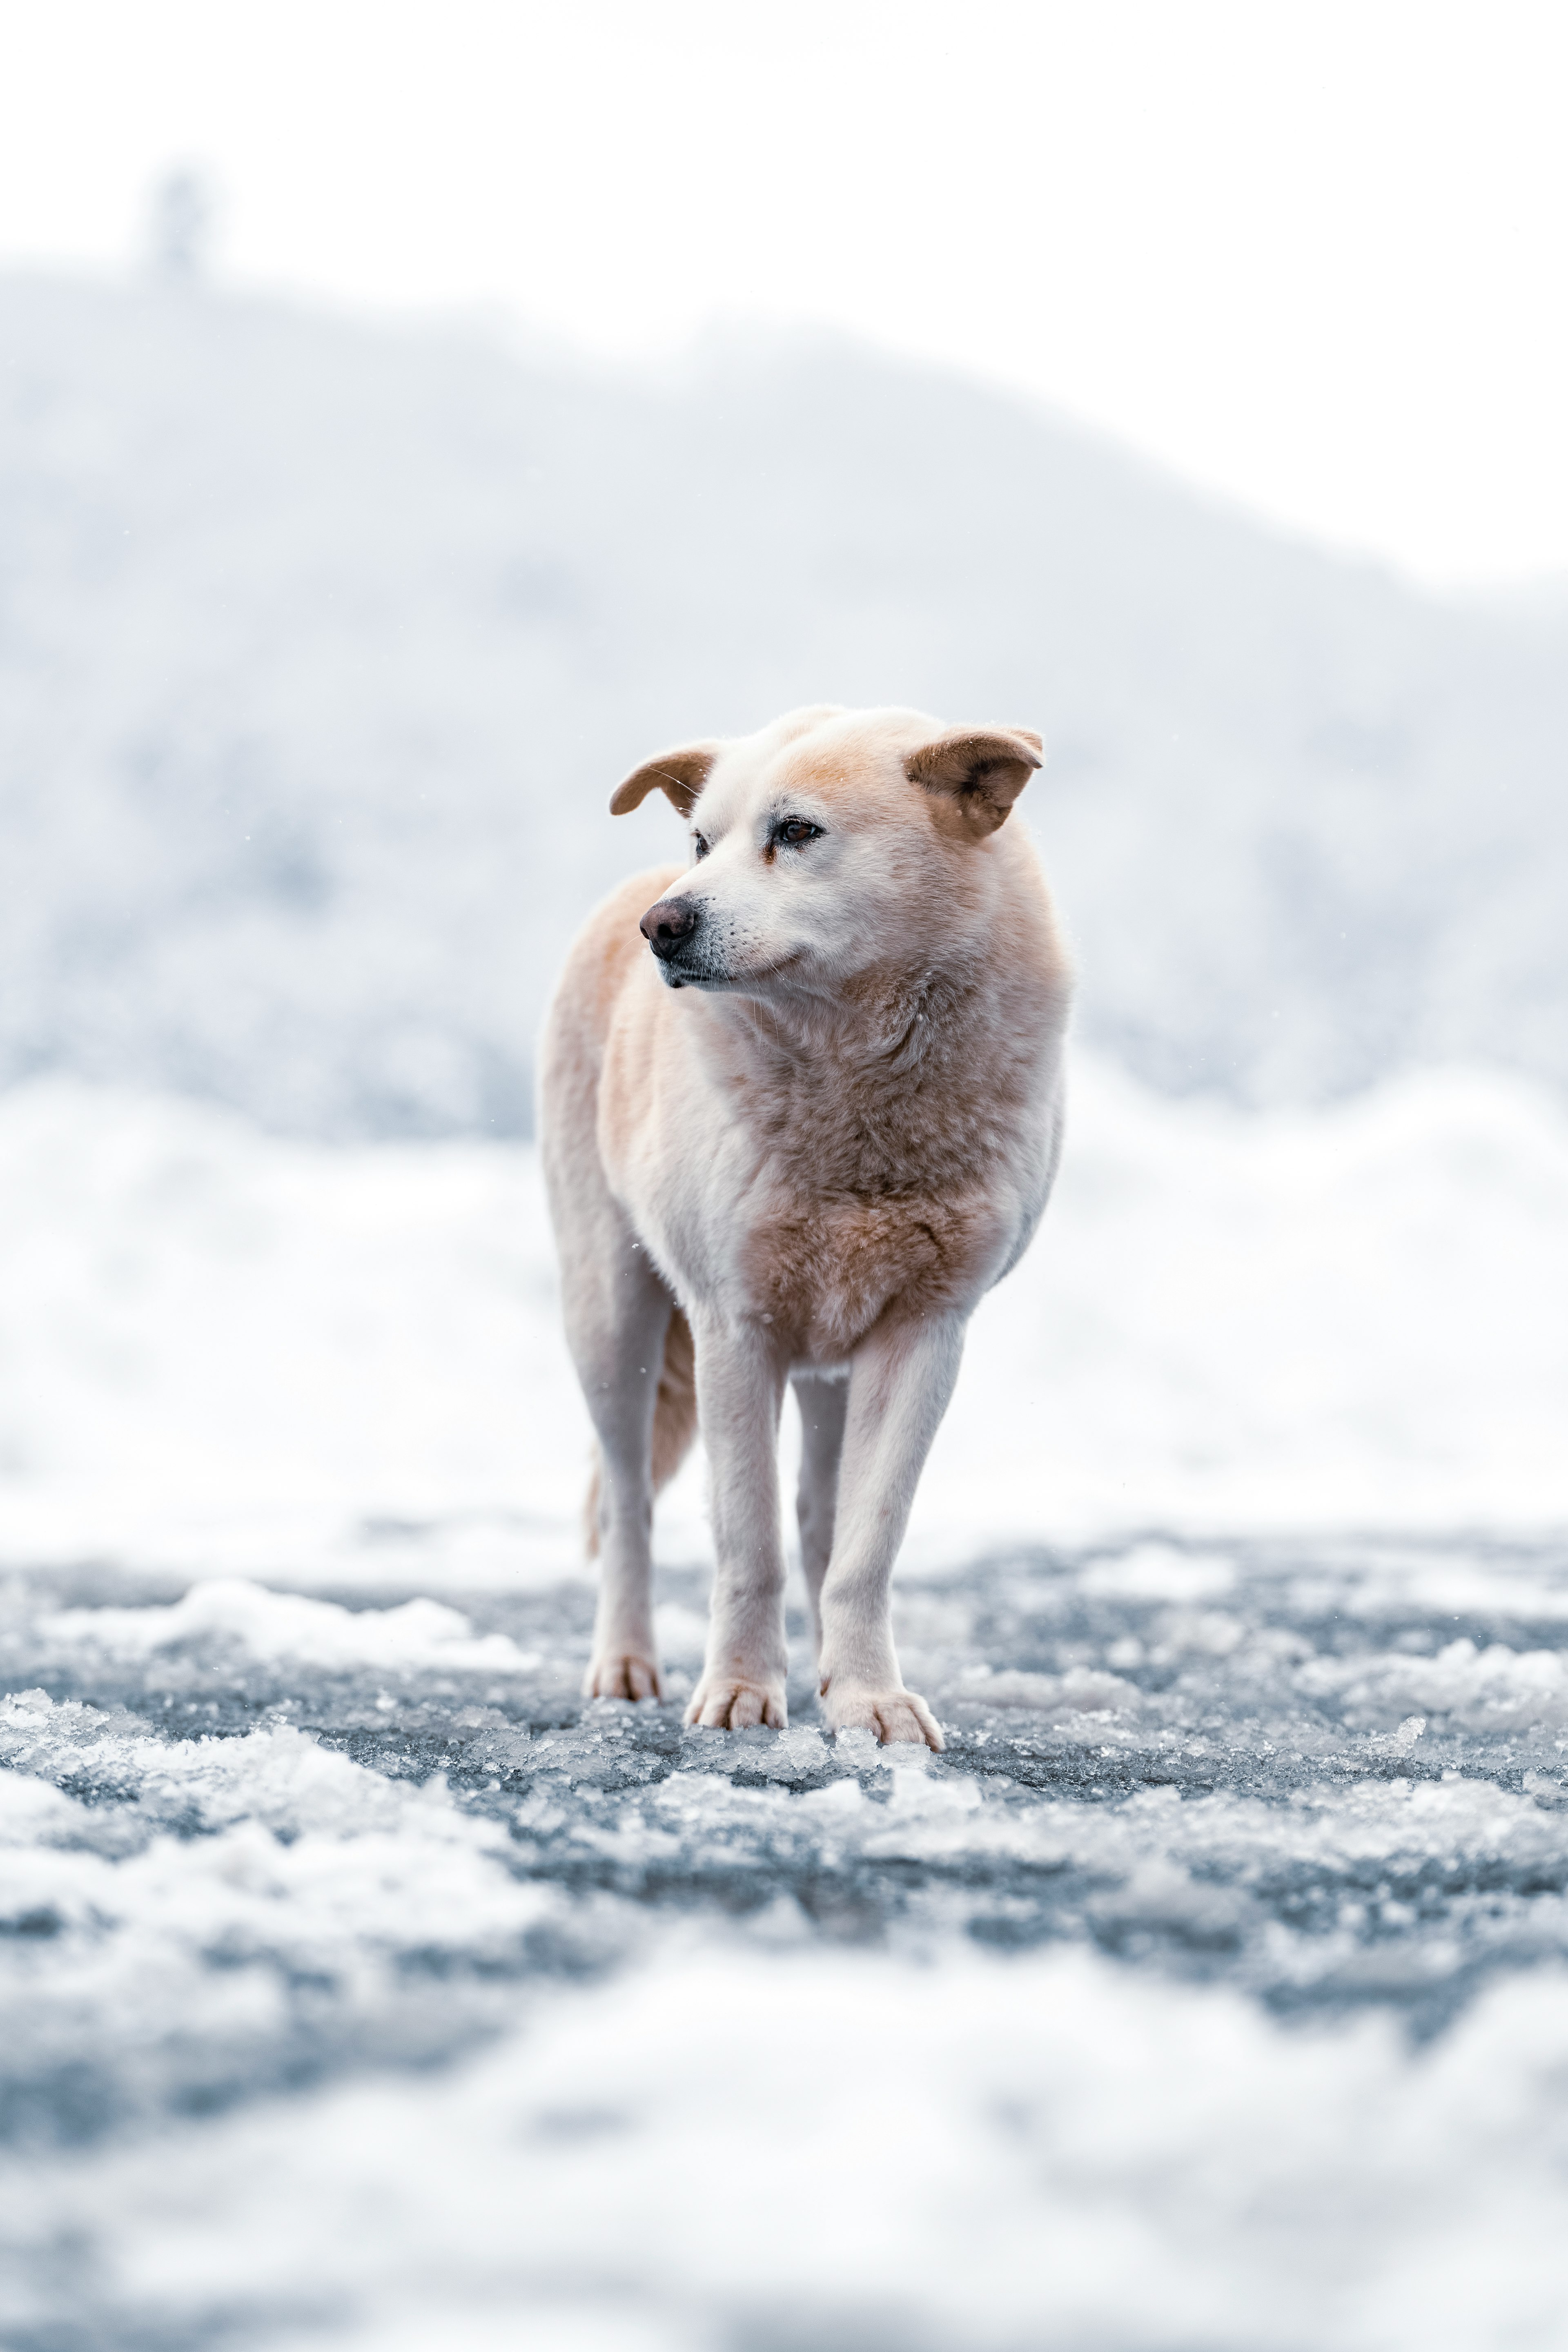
pixel 797 1119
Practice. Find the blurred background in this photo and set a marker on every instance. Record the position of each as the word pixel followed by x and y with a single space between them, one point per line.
pixel 408 424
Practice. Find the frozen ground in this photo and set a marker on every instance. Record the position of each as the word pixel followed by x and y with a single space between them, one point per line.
pixel 1210 1994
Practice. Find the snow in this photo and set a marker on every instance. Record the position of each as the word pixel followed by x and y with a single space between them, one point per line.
pixel 634 2165
pixel 642 2144
pixel 361 1986
pixel 322 648
pixel 273 1626
pixel 239 1356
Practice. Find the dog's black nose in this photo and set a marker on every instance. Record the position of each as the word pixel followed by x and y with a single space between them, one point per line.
pixel 669 925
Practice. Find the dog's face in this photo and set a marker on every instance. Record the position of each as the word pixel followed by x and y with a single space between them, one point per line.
pixel 831 844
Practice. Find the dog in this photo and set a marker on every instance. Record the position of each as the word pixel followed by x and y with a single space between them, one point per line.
pixel 801 1106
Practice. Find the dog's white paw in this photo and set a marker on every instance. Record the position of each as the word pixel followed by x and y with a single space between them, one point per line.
pixel 724 1703
pixel 622 1673
pixel 895 1716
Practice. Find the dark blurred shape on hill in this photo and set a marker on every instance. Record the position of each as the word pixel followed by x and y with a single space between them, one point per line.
pixel 180 222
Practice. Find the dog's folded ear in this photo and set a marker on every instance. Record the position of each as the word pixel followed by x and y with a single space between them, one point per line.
pixel 679 776
pixel 978 772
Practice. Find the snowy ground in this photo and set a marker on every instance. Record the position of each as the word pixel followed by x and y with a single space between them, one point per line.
pixel 363 1989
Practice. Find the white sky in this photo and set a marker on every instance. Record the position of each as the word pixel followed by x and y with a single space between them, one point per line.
pixel 1315 255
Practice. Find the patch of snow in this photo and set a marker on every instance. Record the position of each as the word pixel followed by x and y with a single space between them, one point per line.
pixel 272 1625
pixel 223 1352
pixel 1080 1691
pixel 1155 1571
pixel 1496 1688
pixel 992 2152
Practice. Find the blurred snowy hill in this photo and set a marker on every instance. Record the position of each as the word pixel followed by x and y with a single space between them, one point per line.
pixel 231 1351
pixel 321 646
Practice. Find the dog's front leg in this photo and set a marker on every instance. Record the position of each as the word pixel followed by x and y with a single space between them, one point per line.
pixel 901 1380
pixel 740 1389
pixel 823 1405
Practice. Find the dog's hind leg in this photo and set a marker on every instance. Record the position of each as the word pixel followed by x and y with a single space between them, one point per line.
pixel 675 1408
pixel 823 1406
pixel 674 1425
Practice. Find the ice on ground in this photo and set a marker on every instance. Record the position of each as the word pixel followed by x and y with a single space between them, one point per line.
pixel 992 2153
pixel 361 1986
pixel 1496 1688
pixel 1080 1691
pixel 341 2009
pixel 192 1922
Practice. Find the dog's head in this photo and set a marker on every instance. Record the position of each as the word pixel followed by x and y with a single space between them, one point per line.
pixel 830 843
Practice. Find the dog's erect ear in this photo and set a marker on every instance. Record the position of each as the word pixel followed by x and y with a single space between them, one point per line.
pixel 678 775
pixel 981 770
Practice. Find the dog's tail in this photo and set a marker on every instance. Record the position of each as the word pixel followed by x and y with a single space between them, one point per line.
pixel 674 1422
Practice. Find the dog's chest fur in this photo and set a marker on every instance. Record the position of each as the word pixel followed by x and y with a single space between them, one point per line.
pixel 903 1169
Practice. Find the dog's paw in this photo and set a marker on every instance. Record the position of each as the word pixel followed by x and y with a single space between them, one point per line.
pixel 724 1703
pixel 622 1673
pixel 897 1717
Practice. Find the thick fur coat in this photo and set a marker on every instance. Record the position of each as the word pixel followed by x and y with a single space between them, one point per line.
pixel 801 1106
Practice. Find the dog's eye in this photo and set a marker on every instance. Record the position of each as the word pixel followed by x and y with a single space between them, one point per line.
pixel 698 845
pixel 795 829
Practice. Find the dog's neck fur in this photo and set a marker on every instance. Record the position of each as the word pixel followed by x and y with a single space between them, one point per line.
pixel 888 1017
pixel 937 1078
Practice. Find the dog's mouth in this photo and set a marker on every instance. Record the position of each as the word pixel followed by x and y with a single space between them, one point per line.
pixel 699 972
pixel 675 974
